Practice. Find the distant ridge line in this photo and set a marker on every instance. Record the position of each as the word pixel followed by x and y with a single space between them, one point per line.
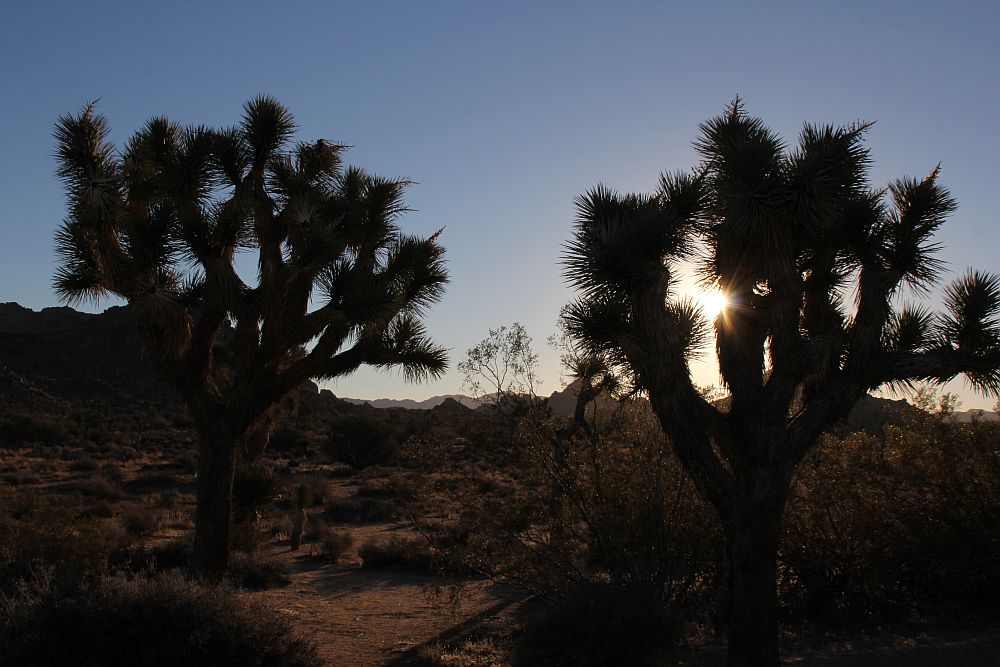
pixel 410 404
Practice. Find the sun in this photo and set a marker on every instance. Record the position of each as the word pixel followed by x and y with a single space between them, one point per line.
pixel 711 302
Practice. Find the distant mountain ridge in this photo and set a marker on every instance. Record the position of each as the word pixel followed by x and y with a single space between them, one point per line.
pixel 410 404
pixel 58 354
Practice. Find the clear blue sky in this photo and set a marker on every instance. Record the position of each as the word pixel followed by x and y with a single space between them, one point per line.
pixel 502 112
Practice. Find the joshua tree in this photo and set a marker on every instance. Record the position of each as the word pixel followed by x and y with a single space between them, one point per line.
pixel 161 223
pixel 783 233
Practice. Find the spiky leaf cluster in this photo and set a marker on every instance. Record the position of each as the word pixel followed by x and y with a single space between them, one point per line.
pixel 786 233
pixel 161 222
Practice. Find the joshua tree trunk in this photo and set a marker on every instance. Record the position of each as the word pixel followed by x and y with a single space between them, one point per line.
pixel 216 466
pixel 752 536
pixel 298 527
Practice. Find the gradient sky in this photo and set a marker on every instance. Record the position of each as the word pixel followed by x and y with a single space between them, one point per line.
pixel 503 112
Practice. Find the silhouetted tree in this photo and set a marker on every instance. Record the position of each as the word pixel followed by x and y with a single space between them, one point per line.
pixel 783 233
pixel 160 225
pixel 500 369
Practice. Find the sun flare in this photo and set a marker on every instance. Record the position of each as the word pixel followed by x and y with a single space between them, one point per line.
pixel 711 302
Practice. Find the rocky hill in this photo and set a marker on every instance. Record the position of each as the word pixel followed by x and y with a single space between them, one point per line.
pixel 59 354
pixel 56 355
pixel 79 356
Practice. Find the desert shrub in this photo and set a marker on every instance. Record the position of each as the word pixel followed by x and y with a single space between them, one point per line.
pixel 332 544
pixel 139 521
pixel 39 531
pixel 151 480
pixel 159 557
pixel 361 442
pixel 258 572
pixel 614 507
pixel 97 487
pixel 360 510
pixel 101 509
pixel 406 553
pixel 599 624
pixel 113 472
pixel 21 429
pixel 92 422
pixel 83 465
pixel 897 527
pixel 185 461
pixel 287 440
pixel 307 491
pixel 152 621
pixel 21 479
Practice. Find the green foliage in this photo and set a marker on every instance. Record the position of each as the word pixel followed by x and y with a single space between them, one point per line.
pixel 161 621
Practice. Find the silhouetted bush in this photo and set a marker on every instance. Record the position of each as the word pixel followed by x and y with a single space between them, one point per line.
pixel 43 532
pixel 113 472
pixel 162 621
pixel 257 571
pixel 21 479
pixel 255 488
pixel 83 465
pixel 24 429
pixel 101 509
pixel 360 510
pixel 287 440
pixel 361 442
pixel 614 509
pixel 600 625
pixel 98 487
pixel 139 521
pixel 406 553
pixel 332 544
pixel 161 557
pixel 311 490
pixel 884 529
pixel 150 481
